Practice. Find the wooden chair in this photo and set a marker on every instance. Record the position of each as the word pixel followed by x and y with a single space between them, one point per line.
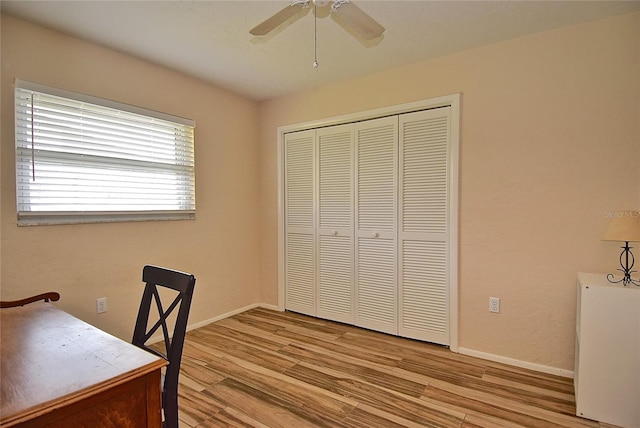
pixel 182 284
pixel 49 296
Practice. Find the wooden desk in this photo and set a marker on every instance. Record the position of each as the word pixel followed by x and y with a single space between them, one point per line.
pixel 58 371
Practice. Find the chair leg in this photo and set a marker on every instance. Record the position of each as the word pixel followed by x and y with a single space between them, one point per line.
pixel 170 408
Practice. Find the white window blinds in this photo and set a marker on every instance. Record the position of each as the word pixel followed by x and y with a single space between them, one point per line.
pixel 83 159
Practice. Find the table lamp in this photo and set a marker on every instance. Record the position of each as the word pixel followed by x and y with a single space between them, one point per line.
pixel 624 227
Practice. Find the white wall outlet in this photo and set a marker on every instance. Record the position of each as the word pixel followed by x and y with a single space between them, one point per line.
pixel 494 304
pixel 101 305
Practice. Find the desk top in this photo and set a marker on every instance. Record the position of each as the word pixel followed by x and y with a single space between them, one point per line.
pixel 49 359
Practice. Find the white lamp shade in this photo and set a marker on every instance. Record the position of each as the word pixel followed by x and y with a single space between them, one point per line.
pixel 624 227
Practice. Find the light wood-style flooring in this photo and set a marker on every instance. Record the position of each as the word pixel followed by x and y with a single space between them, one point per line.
pixel 264 368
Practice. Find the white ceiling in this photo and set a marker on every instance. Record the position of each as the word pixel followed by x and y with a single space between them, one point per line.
pixel 210 39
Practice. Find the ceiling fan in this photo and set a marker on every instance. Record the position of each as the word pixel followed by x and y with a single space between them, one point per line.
pixel 343 10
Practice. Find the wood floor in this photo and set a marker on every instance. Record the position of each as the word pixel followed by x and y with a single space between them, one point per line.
pixel 264 368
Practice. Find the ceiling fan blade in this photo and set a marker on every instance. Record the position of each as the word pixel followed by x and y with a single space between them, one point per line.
pixel 357 19
pixel 276 20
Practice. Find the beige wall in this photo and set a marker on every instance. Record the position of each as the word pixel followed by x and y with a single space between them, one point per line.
pixel 550 142
pixel 85 262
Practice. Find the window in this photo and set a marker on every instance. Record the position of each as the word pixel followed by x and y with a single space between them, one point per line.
pixel 82 159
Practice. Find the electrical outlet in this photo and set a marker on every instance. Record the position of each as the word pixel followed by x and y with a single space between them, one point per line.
pixel 101 305
pixel 494 304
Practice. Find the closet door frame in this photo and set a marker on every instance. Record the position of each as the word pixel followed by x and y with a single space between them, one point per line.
pixel 452 101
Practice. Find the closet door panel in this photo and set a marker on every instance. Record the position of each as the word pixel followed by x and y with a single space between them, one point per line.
pixel 376 286
pixel 335 176
pixel 423 225
pixel 300 270
pixel 424 313
pixel 335 278
pixel 376 173
pixel 335 223
pixel 300 273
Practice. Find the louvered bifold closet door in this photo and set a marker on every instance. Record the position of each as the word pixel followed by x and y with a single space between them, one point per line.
pixel 375 247
pixel 335 223
pixel 423 225
pixel 300 256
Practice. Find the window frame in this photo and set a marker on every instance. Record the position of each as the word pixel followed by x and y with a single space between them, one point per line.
pixel 185 210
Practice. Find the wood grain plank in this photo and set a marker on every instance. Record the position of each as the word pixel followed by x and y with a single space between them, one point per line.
pixel 269 369
pixel 340 348
pixel 515 412
pixel 237 325
pixel 231 418
pixel 366 417
pixel 285 388
pixel 251 351
pixel 564 386
pixel 511 392
pixel 266 408
pixel 364 371
pixel 378 398
pixel 195 407
pixel 482 421
pixel 256 337
pixel 198 375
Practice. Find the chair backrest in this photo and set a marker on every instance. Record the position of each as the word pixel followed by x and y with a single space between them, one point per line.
pixel 183 284
pixel 51 295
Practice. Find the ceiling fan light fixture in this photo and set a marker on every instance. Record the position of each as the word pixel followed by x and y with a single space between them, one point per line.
pixel 347 12
pixel 337 3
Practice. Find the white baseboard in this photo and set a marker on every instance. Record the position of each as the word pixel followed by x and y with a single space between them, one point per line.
pixel 517 363
pixel 270 307
pixel 158 337
pixel 230 314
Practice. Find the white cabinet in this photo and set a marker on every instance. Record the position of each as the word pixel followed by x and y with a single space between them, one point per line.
pixel 607 364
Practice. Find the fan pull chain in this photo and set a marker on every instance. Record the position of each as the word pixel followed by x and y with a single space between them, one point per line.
pixel 315 36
